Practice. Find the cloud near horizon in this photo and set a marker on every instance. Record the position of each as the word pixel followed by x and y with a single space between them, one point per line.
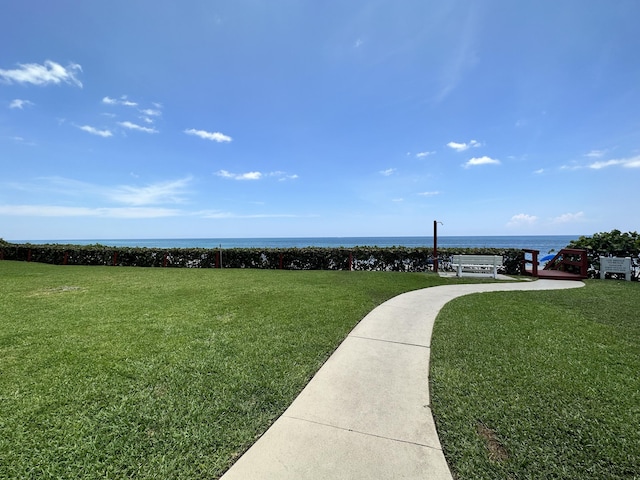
pixel 107 212
pixel 522 219
pixel 45 74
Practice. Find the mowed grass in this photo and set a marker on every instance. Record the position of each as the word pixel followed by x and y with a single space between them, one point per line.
pixel 539 385
pixel 162 373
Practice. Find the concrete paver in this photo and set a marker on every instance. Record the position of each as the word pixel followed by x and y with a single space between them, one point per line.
pixel 366 413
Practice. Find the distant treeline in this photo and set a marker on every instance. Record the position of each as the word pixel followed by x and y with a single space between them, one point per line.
pixel 397 259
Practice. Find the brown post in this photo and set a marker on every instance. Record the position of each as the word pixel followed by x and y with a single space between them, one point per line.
pixel 281 261
pixel 164 261
pixel 29 256
pixel 115 259
pixel 435 246
pixel 350 261
pixel 66 258
pixel 217 264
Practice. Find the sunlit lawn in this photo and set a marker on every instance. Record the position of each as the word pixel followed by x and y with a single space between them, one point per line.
pixel 113 372
pixel 540 384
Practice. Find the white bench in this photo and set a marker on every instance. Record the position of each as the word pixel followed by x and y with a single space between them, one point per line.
pixel 483 265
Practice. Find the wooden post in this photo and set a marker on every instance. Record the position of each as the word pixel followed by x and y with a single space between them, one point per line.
pixel 66 258
pixel 435 246
pixel 164 260
pixel 217 264
pixel 29 255
pixel 114 262
pixel 281 261
pixel 350 261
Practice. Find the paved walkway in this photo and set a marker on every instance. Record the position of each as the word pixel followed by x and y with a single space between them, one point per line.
pixel 366 414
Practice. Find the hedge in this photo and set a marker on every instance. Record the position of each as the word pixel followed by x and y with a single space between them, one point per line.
pixel 397 259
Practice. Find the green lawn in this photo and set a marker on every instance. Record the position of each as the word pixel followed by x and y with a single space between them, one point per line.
pixel 538 385
pixel 112 372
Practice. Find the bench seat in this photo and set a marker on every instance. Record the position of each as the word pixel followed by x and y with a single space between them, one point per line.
pixel 478 265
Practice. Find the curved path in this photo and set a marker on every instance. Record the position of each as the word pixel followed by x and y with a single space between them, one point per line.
pixel 366 413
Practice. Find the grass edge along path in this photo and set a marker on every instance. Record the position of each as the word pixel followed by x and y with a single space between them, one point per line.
pixel 540 384
pixel 162 373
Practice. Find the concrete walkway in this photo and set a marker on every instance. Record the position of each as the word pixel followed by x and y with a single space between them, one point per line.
pixel 366 414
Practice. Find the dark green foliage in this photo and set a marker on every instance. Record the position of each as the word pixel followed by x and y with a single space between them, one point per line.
pixel 396 259
pixel 613 243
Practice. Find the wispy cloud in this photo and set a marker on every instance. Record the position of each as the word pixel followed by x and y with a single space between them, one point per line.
pixel 223 215
pixel 154 194
pixel 45 74
pixel 388 172
pixel 522 219
pixel 481 161
pixel 632 162
pixel 213 136
pixel 95 131
pixel 150 112
pixel 595 154
pixel 64 211
pixel 240 176
pixel 429 194
pixel 424 154
pixel 123 100
pixel 20 104
pixel 569 217
pixel 461 147
pixel 139 128
pixel 158 193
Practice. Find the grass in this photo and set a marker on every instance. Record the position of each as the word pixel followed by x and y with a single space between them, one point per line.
pixel 162 373
pixel 537 385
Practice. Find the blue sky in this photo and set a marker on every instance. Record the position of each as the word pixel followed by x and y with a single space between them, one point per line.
pixel 256 118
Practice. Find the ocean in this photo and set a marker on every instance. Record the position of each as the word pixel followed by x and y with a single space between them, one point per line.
pixel 543 243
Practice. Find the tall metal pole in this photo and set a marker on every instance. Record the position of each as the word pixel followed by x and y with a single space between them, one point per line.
pixel 435 246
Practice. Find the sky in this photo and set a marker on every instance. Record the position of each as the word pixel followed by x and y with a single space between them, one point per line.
pixel 293 118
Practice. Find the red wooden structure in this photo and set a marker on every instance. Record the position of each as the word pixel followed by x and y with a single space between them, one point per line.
pixel 568 264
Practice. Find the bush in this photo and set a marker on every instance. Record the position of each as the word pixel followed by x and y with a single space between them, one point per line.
pixel 396 259
pixel 605 244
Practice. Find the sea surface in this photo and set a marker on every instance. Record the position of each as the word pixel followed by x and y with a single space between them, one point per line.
pixel 543 243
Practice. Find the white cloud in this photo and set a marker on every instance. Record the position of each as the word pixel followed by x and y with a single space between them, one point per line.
pixel 149 112
pixel 481 161
pixel 239 176
pixel 522 219
pixel 122 101
pixel 633 162
pixel 49 72
pixel 17 103
pixel 539 171
pixel 388 172
pixel 569 217
pixel 424 154
pixel 397 200
pixel 595 154
pixel 461 147
pixel 95 131
pixel 154 194
pixel 140 128
pixel 62 211
pixel 214 136
pixel 429 194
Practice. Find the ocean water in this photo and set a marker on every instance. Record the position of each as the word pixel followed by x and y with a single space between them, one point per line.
pixel 543 243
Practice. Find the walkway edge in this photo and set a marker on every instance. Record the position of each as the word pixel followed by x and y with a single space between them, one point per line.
pixel 366 413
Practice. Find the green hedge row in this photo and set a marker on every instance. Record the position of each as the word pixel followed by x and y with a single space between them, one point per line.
pixel 357 258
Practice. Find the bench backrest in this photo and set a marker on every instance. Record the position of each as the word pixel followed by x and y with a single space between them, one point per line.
pixel 494 260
